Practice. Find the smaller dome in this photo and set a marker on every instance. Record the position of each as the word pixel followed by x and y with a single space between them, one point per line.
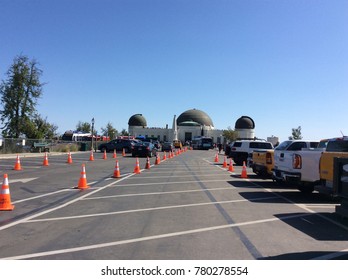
pixel 137 120
pixel 245 122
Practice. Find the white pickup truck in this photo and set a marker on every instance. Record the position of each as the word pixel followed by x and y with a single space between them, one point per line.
pixel 312 169
pixel 286 167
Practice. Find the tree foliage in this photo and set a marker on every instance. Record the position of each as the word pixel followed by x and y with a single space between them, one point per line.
pixel 109 130
pixel 296 134
pixel 230 134
pixel 39 128
pixel 19 94
pixel 84 126
pixel 124 132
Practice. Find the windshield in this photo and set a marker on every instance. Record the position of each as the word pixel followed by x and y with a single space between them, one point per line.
pixel 283 146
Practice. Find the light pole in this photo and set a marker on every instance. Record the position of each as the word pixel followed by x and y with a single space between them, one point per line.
pixel 92 134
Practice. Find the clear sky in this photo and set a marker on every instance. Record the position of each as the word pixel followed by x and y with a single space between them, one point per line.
pixel 284 63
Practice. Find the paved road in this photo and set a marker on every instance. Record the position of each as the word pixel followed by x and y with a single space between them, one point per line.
pixel 187 207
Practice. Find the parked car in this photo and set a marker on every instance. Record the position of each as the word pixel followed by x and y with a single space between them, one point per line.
pixel 157 145
pixel 177 144
pixel 241 150
pixel 118 145
pixel 167 147
pixel 145 149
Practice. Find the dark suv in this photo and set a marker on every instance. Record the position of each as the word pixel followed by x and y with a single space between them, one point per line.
pixel 118 145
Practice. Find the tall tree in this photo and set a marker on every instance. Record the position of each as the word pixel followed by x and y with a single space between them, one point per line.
pixel 124 132
pixel 230 134
pixel 19 94
pixel 84 126
pixel 296 134
pixel 40 128
pixel 109 130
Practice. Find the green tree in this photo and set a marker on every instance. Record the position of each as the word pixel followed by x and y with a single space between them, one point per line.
pixel 124 132
pixel 19 94
pixel 109 130
pixel 230 134
pixel 84 126
pixel 40 128
pixel 296 134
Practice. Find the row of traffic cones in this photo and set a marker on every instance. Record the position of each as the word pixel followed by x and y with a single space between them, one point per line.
pixel 18 165
pixel 69 160
pixel 244 173
pixel 5 198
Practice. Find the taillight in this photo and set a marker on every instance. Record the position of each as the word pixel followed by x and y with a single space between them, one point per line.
pixel 233 149
pixel 268 158
pixel 296 161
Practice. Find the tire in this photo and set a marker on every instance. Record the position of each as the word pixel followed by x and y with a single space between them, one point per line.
pixel 306 188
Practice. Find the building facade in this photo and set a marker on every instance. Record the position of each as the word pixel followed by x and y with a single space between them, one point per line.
pixel 189 125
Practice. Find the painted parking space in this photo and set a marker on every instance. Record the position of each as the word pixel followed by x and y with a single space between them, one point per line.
pixel 186 207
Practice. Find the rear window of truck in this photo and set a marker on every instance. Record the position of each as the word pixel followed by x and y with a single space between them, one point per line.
pixel 337 146
pixel 261 145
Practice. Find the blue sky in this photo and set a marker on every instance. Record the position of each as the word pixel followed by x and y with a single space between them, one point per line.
pixel 283 63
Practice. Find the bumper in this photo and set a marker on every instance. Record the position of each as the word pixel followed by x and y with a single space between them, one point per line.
pixel 262 169
pixel 286 176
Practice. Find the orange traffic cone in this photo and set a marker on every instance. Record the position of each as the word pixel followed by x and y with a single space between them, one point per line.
pixel 224 165
pixel 45 161
pixel 137 167
pixel 158 160
pixel 230 167
pixel 244 171
pixel 114 155
pixel 91 157
pixel 148 165
pixel 69 159
pixel 117 173
pixel 123 153
pixel 5 198
pixel 83 179
pixel 104 155
pixel 18 164
pixel 164 156
pixel 216 159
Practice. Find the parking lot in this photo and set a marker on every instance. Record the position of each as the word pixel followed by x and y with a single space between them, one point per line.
pixel 186 207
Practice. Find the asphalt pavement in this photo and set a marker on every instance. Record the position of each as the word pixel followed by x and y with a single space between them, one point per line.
pixel 185 207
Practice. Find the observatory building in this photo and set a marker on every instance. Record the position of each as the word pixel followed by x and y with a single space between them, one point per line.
pixel 187 126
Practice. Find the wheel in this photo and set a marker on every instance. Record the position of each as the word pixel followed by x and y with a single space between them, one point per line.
pixel 306 188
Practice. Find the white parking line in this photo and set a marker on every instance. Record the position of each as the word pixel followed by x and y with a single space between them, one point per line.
pixel 183 176
pixel 146 209
pixel 43 195
pixel 171 183
pixel 62 205
pixel 147 238
pixel 156 193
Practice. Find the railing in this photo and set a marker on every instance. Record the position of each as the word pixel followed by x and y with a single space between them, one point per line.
pixel 11 145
